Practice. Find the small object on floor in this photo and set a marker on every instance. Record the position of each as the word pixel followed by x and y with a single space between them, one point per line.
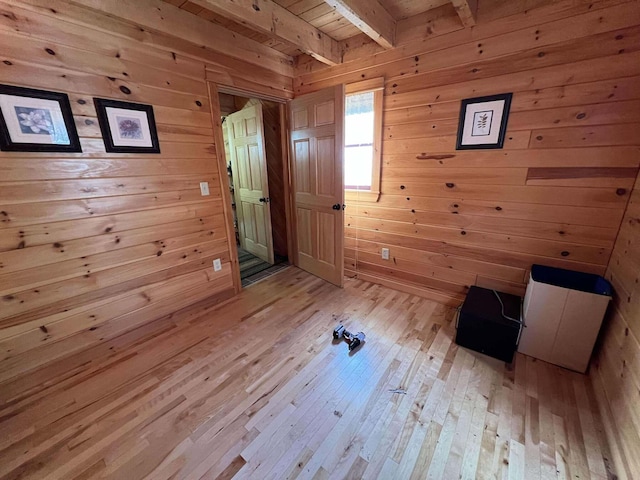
pixel 398 390
pixel 353 339
pixel 490 322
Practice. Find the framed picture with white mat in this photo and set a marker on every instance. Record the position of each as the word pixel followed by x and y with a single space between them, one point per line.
pixel 36 121
pixel 483 122
pixel 127 127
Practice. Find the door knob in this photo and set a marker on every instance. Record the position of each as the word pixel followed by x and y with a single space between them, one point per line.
pixel 265 200
pixel 337 207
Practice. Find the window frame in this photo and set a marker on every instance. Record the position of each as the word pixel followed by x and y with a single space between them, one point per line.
pixel 375 85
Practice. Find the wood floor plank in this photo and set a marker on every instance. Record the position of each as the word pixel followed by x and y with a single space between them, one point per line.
pixel 516 461
pixel 547 442
pixel 462 409
pixel 478 424
pixel 256 387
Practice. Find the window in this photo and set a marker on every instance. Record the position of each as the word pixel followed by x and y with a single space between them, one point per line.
pixel 363 137
pixel 358 141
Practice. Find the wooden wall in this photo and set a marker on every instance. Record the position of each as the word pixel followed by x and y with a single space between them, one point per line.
pixel 615 371
pixel 554 195
pixel 94 245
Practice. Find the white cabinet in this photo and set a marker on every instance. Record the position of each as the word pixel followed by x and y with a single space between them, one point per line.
pixel 563 312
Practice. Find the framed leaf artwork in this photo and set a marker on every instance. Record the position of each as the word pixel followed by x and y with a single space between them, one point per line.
pixel 36 121
pixel 483 122
pixel 127 127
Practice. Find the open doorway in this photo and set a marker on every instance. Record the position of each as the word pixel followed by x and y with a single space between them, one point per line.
pixel 253 145
pixel 311 145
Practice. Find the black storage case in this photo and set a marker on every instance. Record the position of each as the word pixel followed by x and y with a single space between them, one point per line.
pixel 482 327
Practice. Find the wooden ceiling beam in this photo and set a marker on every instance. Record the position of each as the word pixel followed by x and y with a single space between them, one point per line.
pixel 270 18
pixel 466 10
pixel 163 17
pixel 370 17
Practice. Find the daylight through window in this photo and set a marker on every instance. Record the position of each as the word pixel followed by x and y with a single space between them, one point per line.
pixel 359 141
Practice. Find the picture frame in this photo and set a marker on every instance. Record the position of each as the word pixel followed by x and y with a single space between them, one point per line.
pixel 483 122
pixel 36 121
pixel 127 127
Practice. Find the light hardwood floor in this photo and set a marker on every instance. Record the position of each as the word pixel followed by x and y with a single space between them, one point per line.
pixel 256 388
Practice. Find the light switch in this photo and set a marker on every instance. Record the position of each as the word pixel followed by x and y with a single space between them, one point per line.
pixel 204 188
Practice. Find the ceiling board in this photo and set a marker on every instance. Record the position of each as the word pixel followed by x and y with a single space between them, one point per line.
pixel 320 14
pixel 301 6
pixel 341 30
pixel 400 9
pixel 344 32
pixel 327 20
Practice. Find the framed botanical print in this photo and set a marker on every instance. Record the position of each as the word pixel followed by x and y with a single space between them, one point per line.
pixel 127 127
pixel 36 121
pixel 483 122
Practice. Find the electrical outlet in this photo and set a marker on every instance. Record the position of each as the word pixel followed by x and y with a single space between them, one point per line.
pixel 217 265
pixel 204 188
pixel 385 254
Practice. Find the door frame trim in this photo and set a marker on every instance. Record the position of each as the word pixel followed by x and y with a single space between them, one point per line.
pixel 214 90
pixel 240 92
pixel 227 209
pixel 292 242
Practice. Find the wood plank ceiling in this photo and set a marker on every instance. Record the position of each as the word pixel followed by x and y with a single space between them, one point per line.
pixel 339 20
